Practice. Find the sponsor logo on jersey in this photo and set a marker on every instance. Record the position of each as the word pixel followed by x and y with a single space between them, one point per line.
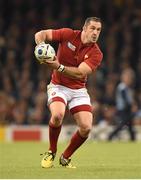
pixel 71 46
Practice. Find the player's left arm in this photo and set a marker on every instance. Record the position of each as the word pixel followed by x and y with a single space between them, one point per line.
pixel 79 72
pixel 74 72
pixel 86 67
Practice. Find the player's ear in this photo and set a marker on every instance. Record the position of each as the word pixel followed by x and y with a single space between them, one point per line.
pixel 84 28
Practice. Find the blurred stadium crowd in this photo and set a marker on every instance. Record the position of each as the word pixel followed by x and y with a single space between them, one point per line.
pixel 23 81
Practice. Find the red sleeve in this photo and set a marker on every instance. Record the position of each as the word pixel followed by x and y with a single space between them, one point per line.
pixel 61 34
pixel 94 60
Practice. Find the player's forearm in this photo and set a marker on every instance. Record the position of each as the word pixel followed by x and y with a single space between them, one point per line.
pixel 42 36
pixel 73 72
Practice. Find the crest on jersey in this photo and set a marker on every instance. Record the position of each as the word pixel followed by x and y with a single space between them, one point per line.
pixel 71 46
pixel 53 93
pixel 86 56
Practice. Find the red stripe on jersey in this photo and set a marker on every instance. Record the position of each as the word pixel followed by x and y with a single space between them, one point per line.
pixel 81 108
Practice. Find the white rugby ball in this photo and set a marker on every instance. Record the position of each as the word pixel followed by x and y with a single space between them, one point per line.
pixel 44 51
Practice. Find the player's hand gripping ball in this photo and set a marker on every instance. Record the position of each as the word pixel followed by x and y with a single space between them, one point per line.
pixel 44 51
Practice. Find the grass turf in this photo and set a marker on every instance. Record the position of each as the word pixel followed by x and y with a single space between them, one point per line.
pixel 93 160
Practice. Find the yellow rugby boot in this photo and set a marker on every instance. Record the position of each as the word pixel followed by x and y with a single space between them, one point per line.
pixel 47 161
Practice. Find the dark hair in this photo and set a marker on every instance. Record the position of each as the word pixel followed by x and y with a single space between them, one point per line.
pixel 87 21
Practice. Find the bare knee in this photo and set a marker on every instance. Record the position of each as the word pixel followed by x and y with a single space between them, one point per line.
pixel 57 118
pixel 85 130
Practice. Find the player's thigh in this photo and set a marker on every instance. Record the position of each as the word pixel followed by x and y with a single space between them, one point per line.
pixel 57 100
pixel 84 119
pixel 80 101
pixel 57 110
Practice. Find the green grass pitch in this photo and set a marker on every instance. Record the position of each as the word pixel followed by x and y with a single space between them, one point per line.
pixel 94 160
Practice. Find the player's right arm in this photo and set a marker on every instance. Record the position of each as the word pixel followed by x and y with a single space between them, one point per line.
pixel 42 36
pixel 53 35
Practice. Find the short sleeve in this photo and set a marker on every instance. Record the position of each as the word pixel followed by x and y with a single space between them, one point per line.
pixel 62 34
pixel 94 60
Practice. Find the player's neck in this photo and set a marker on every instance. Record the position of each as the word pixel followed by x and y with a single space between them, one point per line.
pixel 84 40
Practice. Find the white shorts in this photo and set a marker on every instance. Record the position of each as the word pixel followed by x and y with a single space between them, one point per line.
pixel 76 99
